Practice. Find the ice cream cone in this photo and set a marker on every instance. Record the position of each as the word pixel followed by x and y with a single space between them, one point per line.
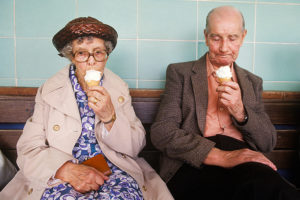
pixel 223 80
pixel 224 74
pixel 92 83
pixel 92 78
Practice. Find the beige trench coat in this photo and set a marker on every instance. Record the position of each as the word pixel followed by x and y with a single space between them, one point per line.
pixel 51 133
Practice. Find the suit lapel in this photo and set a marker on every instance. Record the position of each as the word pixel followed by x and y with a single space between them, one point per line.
pixel 245 85
pixel 200 88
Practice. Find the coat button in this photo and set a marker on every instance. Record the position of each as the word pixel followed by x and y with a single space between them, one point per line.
pixel 144 188
pixel 121 99
pixel 123 155
pixel 30 191
pixel 56 127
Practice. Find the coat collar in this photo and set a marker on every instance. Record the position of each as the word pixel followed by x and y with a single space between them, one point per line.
pixel 58 93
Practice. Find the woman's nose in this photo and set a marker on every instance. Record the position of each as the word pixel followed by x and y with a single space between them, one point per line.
pixel 91 60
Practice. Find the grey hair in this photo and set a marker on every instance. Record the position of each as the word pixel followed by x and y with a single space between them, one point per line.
pixel 67 51
pixel 210 12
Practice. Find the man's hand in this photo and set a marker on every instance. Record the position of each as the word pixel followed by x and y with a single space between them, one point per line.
pixel 82 178
pixel 229 159
pixel 230 96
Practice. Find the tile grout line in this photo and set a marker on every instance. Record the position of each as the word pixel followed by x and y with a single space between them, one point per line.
pixel 254 38
pixel 248 2
pixel 15 44
pixel 197 30
pixel 76 8
pixel 137 45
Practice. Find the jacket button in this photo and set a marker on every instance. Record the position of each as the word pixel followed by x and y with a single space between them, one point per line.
pixel 123 155
pixel 144 188
pixel 30 191
pixel 121 99
pixel 56 127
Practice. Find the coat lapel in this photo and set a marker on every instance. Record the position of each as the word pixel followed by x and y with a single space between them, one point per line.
pixel 200 88
pixel 60 95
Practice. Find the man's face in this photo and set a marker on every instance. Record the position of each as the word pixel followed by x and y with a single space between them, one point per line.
pixel 224 38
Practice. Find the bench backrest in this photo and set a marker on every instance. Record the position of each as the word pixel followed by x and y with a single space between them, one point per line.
pixel 16 105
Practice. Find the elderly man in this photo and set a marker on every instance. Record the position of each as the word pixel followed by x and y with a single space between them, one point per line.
pixel 210 132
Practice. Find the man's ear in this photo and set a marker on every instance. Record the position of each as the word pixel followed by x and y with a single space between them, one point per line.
pixel 206 36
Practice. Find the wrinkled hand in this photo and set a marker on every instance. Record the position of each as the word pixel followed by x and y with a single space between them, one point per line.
pixel 229 159
pixel 99 100
pixel 230 96
pixel 82 178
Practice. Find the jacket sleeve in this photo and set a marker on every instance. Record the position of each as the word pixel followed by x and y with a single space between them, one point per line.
pixel 127 135
pixel 36 159
pixel 166 132
pixel 259 131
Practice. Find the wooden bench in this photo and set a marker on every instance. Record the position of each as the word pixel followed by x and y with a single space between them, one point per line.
pixel 16 105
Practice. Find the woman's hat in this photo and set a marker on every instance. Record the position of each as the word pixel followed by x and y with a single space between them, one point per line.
pixel 84 26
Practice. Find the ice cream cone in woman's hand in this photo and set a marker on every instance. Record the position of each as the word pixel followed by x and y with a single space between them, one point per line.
pixel 92 77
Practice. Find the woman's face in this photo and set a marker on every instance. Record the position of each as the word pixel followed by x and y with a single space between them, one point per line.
pixel 90 45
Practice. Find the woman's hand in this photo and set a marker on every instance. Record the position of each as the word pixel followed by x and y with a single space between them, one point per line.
pixel 82 178
pixel 99 100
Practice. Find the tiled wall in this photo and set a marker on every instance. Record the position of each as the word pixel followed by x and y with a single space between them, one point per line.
pixel 152 34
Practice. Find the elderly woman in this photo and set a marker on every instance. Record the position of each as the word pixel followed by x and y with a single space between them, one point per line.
pixel 73 122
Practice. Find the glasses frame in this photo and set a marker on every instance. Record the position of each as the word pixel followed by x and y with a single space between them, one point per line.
pixel 89 55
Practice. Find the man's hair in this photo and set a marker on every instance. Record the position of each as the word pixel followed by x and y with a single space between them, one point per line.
pixel 210 12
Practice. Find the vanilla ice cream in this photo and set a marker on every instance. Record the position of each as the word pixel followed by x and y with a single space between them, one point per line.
pixel 224 74
pixel 92 77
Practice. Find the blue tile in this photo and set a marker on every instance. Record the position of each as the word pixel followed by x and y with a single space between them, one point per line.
pixel 122 61
pixel 30 82
pixel 167 19
pixel 7 82
pixel 7 69
pixel 131 83
pixel 36 18
pixel 278 62
pixel 279 1
pixel 37 59
pixel 247 9
pixel 244 60
pixel 278 23
pixel 282 86
pixel 152 84
pixel 7 18
pixel 155 56
pixel 120 14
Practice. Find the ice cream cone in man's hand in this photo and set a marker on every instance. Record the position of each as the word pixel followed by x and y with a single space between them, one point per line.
pixel 92 78
pixel 224 74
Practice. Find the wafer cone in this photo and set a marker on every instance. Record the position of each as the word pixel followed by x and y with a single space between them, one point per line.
pixel 223 80
pixel 91 83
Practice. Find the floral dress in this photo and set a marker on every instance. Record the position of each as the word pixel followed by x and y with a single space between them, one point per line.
pixel 120 185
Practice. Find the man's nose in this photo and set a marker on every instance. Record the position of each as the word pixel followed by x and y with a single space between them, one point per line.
pixel 224 46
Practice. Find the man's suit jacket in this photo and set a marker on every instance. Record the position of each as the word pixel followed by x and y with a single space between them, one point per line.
pixel 180 122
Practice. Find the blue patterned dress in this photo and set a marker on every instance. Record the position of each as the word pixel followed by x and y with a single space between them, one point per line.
pixel 120 184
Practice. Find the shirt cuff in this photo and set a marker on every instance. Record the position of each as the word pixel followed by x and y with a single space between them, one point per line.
pixel 105 132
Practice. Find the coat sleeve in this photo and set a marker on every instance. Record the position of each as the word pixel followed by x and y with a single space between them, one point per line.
pixel 166 132
pixel 127 135
pixel 36 159
pixel 259 131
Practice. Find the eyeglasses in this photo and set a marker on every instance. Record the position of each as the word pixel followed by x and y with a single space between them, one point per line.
pixel 98 54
